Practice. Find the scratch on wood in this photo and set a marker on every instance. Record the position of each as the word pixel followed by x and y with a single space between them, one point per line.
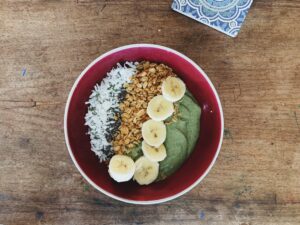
pixel 47 103
pixel 239 94
pixel 237 219
pixel 240 90
pixel 275 198
pixel 103 8
pixel 296 118
pixel 9 104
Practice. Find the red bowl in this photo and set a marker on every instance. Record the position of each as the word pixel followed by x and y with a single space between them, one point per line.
pixel 196 166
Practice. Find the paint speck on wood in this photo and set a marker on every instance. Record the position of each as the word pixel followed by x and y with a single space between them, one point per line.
pixel 39 215
pixel 24 72
pixel 24 142
pixel 202 215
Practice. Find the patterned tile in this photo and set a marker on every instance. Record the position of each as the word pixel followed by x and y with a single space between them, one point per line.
pixel 226 16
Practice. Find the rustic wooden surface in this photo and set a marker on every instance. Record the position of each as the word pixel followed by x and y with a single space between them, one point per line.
pixel 46 44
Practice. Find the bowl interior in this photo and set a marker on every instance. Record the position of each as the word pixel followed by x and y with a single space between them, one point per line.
pixel 194 167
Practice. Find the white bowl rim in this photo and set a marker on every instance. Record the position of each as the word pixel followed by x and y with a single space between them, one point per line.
pixel 150 202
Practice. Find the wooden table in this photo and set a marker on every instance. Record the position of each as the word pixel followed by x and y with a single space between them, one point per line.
pixel 46 44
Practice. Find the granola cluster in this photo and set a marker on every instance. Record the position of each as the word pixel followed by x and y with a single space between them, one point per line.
pixel 144 85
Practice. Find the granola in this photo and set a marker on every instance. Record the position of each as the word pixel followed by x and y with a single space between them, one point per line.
pixel 143 86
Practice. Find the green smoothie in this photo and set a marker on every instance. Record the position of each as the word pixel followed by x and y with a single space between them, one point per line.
pixel 182 136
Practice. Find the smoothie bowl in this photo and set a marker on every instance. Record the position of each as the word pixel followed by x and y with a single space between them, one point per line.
pixel 143 124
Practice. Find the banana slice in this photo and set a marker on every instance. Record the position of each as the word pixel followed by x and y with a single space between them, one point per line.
pixel 154 154
pixel 173 89
pixel 121 168
pixel 160 108
pixel 154 132
pixel 146 171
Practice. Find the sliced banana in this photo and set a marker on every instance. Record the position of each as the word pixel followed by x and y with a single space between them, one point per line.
pixel 154 154
pixel 173 89
pixel 146 171
pixel 154 132
pixel 160 108
pixel 121 168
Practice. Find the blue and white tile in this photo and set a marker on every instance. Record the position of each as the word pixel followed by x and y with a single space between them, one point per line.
pixel 226 16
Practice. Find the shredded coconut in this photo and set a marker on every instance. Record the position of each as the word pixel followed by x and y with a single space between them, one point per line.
pixel 104 106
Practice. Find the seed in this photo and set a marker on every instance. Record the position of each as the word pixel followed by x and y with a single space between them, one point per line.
pixel 159 68
pixel 127 110
pixel 124 130
pixel 125 115
pixel 144 79
pixel 136 131
pixel 145 85
pixel 146 65
pixel 130 145
pixel 140 113
pixel 145 105
pixel 134 120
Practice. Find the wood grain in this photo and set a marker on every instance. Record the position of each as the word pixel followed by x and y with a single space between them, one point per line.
pixel 46 44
